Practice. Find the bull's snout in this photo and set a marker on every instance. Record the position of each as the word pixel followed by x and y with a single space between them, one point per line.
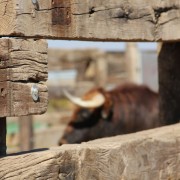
pixel 67 132
pixel 62 141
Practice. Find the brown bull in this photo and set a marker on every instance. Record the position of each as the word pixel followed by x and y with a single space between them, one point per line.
pixel 125 109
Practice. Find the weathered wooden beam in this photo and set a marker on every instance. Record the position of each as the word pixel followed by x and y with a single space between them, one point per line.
pixel 26 133
pixel 2 136
pixel 169 82
pixel 110 20
pixel 152 154
pixel 23 63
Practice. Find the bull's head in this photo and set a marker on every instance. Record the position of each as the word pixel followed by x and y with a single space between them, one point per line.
pixel 88 117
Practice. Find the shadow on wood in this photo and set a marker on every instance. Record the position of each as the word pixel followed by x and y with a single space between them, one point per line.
pixel 2 136
pixel 169 82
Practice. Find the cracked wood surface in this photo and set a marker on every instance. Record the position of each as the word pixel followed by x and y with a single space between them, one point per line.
pixel 152 154
pixel 108 20
pixel 23 63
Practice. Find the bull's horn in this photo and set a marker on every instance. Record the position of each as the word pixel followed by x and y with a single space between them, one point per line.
pixel 97 101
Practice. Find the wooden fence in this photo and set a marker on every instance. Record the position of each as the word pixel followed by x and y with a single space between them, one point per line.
pixel 23 71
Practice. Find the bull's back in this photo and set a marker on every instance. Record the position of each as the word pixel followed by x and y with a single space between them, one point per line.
pixel 135 108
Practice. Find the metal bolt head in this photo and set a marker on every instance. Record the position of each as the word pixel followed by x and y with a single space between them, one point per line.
pixel 35 92
pixel 34 1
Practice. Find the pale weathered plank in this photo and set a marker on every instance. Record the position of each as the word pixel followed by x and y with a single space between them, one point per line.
pixel 23 63
pixel 133 63
pixel 152 154
pixel 109 20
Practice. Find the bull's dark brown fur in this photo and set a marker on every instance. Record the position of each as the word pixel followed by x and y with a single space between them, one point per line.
pixel 128 108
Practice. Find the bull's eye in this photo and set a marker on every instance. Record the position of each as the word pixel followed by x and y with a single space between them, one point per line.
pixel 85 113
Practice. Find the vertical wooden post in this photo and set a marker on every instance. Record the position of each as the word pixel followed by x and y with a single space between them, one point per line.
pixel 101 69
pixel 3 136
pixel 133 63
pixel 169 82
pixel 26 133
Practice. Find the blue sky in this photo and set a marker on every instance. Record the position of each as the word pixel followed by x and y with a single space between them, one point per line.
pixel 116 46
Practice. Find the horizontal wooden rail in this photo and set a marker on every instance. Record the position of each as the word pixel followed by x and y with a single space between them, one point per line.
pixel 152 154
pixel 112 20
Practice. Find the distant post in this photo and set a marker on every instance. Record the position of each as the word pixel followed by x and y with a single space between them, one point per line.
pixel 133 63
pixel 26 133
pixel 101 69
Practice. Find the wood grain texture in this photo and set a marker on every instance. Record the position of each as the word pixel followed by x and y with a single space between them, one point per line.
pixel 108 20
pixel 152 154
pixel 22 64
